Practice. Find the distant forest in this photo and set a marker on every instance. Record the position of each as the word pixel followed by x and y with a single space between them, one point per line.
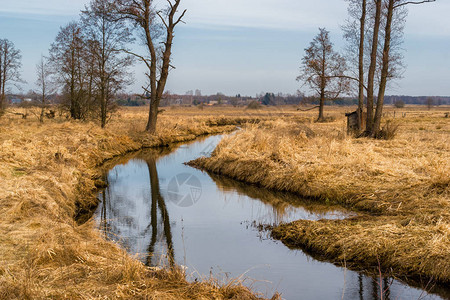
pixel 238 100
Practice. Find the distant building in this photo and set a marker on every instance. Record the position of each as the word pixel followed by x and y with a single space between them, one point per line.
pixel 16 101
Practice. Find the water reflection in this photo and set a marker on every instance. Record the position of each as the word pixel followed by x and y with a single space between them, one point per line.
pixel 158 202
pixel 124 219
pixel 208 236
pixel 284 207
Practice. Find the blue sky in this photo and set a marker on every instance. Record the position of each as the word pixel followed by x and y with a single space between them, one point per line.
pixel 246 47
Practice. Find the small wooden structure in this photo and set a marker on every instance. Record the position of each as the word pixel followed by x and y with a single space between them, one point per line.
pixel 352 122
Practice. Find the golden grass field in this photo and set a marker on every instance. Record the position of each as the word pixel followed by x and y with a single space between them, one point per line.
pixel 48 173
pixel 400 187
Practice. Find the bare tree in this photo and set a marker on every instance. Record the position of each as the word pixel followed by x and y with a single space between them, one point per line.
pixel 370 22
pixel 67 56
pixel 373 65
pixel 430 102
pixel 157 30
pixel 105 37
pixel 391 6
pixel 10 64
pixel 44 83
pixel 357 11
pixel 323 70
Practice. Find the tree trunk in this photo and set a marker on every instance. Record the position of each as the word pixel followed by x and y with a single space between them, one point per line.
pixel 2 78
pixel 361 65
pixel 2 87
pixel 103 111
pixel 384 69
pixel 372 68
pixel 154 101
pixel 41 117
pixel 321 105
pixel 157 86
pixel 323 85
pixel 152 116
pixel 3 95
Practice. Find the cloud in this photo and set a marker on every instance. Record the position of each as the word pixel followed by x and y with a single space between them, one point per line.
pixel 47 7
pixel 279 14
pixel 304 15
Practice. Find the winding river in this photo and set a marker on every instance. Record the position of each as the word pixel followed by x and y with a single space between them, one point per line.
pixel 167 213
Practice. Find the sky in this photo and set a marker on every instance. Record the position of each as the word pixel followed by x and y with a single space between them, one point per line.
pixel 245 47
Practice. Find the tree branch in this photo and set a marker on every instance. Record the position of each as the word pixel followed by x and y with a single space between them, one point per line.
pixel 347 77
pixel 162 20
pixel 413 2
pixel 136 55
pixel 179 19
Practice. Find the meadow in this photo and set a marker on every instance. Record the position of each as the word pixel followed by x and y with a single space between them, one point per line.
pixel 48 177
pixel 398 187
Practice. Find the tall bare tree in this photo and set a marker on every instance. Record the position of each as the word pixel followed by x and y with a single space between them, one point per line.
pixel 106 36
pixel 391 7
pixel 44 83
pixel 355 34
pixel 373 65
pixel 157 27
pixel 10 64
pixel 323 70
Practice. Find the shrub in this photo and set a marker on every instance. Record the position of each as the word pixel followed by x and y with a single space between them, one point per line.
pixel 254 105
pixel 388 131
pixel 399 104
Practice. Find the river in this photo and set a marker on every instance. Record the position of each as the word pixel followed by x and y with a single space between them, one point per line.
pixel 167 213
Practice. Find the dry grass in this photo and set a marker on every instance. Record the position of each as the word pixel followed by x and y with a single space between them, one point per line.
pixel 402 185
pixel 47 174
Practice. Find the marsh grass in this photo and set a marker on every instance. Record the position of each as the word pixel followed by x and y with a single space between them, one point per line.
pixel 400 186
pixel 48 174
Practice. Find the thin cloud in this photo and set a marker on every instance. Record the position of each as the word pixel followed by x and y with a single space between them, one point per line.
pixel 48 8
pixel 280 14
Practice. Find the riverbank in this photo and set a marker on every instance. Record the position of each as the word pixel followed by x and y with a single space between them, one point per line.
pixel 48 173
pixel 400 187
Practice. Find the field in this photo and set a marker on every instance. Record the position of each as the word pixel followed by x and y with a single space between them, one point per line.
pixel 49 172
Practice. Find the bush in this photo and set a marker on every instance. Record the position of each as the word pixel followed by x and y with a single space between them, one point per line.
pixel 388 131
pixel 399 104
pixel 254 105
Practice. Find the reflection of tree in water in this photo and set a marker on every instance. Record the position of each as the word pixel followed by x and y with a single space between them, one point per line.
pixel 113 220
pixel 158 201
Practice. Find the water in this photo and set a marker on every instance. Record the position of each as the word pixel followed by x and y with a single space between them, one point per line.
pixel 167 213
